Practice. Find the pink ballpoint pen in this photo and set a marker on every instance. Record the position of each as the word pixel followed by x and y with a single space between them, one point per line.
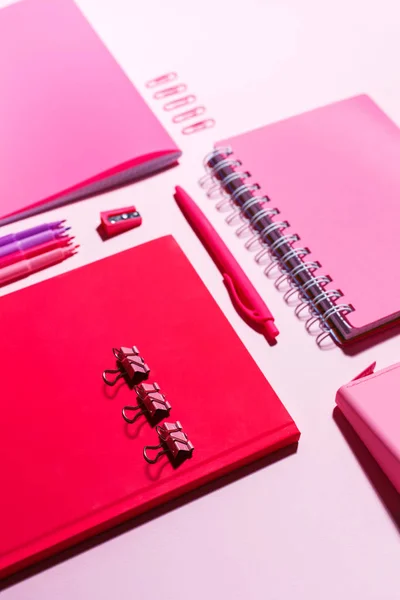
pixel 244 296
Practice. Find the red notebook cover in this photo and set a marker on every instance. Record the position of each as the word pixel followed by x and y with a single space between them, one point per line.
pixel 71 466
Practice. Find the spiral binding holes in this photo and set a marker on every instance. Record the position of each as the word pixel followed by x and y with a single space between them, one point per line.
pixel 320 281
pixel 288 281
pixel 312 304
pixel 289 275
pixel 341 310
pixel 278 264
pixel 248 188
pixel 249 226
pixel 239 213
pixel 258 238
pixel 226 150
pixel 294 252
pixel 321 320
pixel 216 191
pixel 228 199
pixel 209 178
pixel 270 250
pixel 273 267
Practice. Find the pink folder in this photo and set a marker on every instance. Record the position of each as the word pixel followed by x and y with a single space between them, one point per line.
pixel 333 174
pixel 371 404
pixel 71 121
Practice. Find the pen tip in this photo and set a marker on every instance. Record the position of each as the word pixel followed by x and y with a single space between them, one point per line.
pixel 70 251
pixel 62 233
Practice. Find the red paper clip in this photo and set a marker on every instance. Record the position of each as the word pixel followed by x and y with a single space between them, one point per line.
pixel 171 91
pixel 180 102
pixel 161 79
pixel 199 126
pixel 189 114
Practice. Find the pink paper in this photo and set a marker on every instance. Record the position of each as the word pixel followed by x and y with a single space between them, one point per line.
pixel 68 114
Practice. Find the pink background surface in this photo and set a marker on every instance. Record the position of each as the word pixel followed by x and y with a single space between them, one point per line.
pixel 323 523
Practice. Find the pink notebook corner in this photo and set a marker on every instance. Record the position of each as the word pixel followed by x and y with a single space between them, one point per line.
pixel 333 174
pixel 71 121
pixel 371 404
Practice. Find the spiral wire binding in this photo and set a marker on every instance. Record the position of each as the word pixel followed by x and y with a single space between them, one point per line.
pixel 215 185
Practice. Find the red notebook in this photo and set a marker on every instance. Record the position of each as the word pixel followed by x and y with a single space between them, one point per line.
pixel 71 466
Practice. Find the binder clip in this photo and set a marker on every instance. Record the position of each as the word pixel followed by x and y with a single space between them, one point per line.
pixel 173 441
pixel 130 364
pixel 119 220
pixel 151 402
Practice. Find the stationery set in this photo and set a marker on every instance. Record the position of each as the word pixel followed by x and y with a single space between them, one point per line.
pixel 127 396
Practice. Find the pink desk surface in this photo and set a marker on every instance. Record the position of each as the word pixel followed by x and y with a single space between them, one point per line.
pixel 320 524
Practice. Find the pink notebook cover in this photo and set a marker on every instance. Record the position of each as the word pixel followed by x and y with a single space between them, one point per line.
pixel 334 175
pixel 371 404
pixel 71 121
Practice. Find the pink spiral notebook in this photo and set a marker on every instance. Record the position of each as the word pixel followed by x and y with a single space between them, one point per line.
pixel 71 121
pixel 322 192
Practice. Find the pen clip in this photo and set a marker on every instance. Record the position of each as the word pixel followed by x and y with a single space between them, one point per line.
pixel 249 313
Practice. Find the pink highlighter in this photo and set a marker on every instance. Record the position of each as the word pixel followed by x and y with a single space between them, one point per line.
pixel 19 255
pixel 23 268
pixel 371 405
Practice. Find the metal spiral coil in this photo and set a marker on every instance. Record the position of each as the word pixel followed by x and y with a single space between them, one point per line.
pixel 218 183
pixel 269 250
pixel 207 179
pixel 247 205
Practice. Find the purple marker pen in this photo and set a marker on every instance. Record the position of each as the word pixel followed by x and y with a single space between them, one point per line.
pixel 34 240
pixel 21 235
